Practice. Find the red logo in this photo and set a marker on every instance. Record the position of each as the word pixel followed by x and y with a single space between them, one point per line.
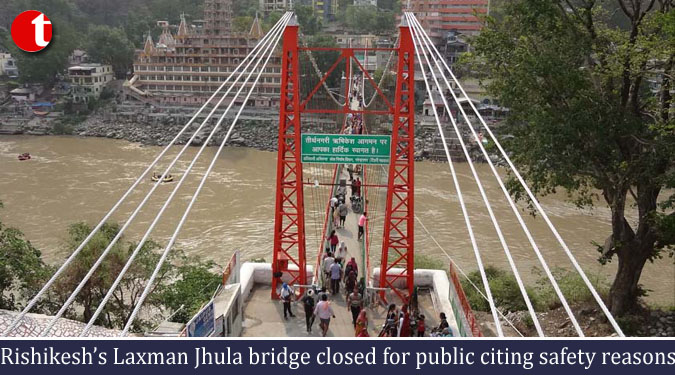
pixel 32 31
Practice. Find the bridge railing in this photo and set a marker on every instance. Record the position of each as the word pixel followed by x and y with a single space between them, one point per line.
pixel 466 315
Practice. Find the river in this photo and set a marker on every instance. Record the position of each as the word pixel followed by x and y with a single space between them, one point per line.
pixel 74 179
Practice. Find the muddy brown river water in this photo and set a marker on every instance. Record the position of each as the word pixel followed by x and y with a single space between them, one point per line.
pixel 79 179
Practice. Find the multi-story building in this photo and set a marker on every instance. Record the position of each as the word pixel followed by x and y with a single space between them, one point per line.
pixel 268 6
pixel 88 81
pixel 442 16
pixel 8 65
pixel 187 67
pixel 326 9
pixel 455 45
pixel 365 3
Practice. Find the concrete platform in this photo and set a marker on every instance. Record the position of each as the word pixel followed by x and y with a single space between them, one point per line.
pixel 264 317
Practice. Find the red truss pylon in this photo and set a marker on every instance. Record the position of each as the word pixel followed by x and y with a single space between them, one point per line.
pixel 289 221
pixel 397 263
pixel 289 225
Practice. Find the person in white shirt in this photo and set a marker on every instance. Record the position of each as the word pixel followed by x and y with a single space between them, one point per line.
pixel 327 263
pixel 341 253
pixel 324 311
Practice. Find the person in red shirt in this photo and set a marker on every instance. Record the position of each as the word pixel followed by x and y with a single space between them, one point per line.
pixel 356 187
pixel 334 241
pixel 420 326
pixel 405 322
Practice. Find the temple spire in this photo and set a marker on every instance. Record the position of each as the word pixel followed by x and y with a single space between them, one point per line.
pixel 256 28
pixel 182 28
pixel 149 46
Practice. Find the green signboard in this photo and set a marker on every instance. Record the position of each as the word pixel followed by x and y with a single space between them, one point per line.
pixel 346 149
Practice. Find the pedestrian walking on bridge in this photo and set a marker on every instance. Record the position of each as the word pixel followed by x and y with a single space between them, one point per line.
pixel 362 224
pixel 355 304
pixel 335 276
pixel 308 302
pixel 343 210
pixel 286 295
pixel 324 311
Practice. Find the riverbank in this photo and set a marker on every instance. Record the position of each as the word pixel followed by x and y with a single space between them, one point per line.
pixel 159 129
pixel 649 321
pixel 248 133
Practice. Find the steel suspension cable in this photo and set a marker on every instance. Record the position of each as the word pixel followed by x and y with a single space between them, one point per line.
pixel 479 183
pixel 119 234
pixel 533 198
pixel 465 213
pixel 334 180
pixel 461 271
pixel 169 246
pixel 175 190
pixel 142 204
pixel 384 74
pixel 317 70
pixel 512 204
pixel 77 251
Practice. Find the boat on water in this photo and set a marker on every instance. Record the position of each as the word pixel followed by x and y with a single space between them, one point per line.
pixel 167 178
pixel 24 156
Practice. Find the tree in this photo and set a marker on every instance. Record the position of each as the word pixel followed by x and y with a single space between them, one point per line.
pixel 591 112
pixel 385 22
pixel 242 24
pixel 170 10
pixel 138 23
pixel 181 280
pixel 194 288
pixel 309 23
pixel 245 7
pixel 324 60
pixel 126 296
pixel 368 19
pixel 21 267
pixel 110 45
pixel 271 20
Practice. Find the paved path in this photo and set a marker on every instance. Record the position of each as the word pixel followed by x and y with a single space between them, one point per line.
pixel 33 324
pixel 265 318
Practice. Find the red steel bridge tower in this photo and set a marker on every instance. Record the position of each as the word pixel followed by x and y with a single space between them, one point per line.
pixel 289 223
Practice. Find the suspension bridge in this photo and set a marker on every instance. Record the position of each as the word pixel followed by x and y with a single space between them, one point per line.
pixel 314 167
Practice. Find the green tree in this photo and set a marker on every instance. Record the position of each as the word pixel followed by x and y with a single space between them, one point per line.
pixel 21 268
pixel 368 19
pixel 385 22
pixel 110 45
pixel 324 60
pixel 170 10
pixel 137 25
pixel 271 19
pixel 126 296
pixel 242 24
pixel 245 7
pixel 591 112
pixel 194 287
pixel 309 23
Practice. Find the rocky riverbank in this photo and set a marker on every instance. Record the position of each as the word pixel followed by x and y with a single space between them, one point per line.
pixel 253 130
pixel 556 323
pixel 248 133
